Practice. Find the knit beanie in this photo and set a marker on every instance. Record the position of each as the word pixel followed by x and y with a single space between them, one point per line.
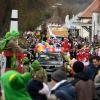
pixel 59 75
pixel 12 34
pixel 15 33
pixel 78 66
pixel 36 65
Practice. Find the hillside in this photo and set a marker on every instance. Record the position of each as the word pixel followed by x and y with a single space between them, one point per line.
pixel 33 12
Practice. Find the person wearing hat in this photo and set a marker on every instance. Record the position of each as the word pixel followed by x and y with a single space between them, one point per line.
pixel 84 86
pixel 34 88
pixel 40 77
pixel 62 89
pixel 38 72
pixel 14 85
pixel 12 51
pixel 8 37
pixel 12 42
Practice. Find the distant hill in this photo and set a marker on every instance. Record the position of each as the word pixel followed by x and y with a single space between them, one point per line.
pixel 33 12
pixel 78 1
pixel 81 3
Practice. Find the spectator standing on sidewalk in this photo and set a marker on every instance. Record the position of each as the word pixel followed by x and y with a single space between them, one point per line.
pixel 33 88
pixel 62 89
pixel 84 86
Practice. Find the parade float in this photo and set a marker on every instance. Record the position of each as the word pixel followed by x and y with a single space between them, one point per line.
pixel 46 47
pixel 57 31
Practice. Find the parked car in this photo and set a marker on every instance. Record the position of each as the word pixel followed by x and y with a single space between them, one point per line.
pixel 51 61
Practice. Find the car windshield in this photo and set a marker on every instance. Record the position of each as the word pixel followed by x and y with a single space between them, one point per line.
pixel 50 57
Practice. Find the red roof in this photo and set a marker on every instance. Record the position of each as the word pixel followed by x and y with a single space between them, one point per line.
pixel 93 7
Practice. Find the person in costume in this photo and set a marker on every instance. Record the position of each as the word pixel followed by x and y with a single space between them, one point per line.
pixel 12 42
pixel 15 85
pixel 37 87
pixel 64 44
pixel 38 72
pixel 12 51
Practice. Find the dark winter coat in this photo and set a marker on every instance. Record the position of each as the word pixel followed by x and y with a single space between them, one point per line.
pixel 33 88
pixel 90 70
pixel 65 91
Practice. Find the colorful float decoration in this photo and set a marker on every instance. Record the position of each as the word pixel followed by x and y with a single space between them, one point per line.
pixel 45 47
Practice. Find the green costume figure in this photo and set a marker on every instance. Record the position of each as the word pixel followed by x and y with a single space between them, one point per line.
pixel 38 72
pixel 12 42
pixel 8 37
pixel 14 85
pixel 9 44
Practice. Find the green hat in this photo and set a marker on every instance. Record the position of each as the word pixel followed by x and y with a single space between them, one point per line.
pixel 15 33
pixel 36 65
pixel 8 36
pixel 25 60
pixel 12 34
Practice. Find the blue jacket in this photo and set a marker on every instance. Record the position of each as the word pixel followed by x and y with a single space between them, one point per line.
pixel 90 70
pixel 65 91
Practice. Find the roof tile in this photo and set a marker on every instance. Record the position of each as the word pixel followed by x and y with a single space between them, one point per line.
pixel 93 7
